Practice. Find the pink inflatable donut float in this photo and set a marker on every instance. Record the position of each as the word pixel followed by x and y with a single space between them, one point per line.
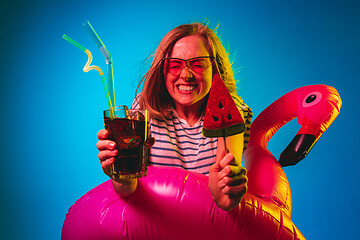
pixel 172 203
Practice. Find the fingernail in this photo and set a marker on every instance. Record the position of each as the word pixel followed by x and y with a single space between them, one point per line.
pixel 115 152
pixel 112 145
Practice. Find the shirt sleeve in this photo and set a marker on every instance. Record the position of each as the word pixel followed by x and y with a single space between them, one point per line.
pixel 247 114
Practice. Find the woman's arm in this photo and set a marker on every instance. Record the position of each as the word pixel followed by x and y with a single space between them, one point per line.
pixel 124 187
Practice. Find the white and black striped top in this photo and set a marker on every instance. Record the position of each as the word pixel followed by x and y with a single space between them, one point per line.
pixel 180 145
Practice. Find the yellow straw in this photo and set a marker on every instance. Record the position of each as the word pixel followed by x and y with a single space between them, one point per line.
pixel 89 67
pixel 146 120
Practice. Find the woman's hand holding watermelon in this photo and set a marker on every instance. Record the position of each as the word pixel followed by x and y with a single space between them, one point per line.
pixel 227 180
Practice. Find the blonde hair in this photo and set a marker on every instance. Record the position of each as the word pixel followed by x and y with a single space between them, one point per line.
pixel 154 95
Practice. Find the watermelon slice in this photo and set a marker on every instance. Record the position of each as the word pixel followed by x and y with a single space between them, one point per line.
pixel 222 117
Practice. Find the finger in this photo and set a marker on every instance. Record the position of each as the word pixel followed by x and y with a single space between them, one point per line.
pixel 103 134
pixel 215 168
pixel 236 191
pixel 105 145
pixel 228 159
pixel 232 181
pixel 220 153
pixel 236 187
pixel 225 172
pixel 107 163
pixel 230 170
pixel 106 154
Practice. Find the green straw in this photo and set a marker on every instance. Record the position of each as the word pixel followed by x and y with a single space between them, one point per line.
pixel 108 58
pixel 73 42
pixel 95 37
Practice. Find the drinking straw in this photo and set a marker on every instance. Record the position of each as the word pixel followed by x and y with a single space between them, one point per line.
pixel 108 58
pixel 89 67
pixel 73 42
pixel 146 125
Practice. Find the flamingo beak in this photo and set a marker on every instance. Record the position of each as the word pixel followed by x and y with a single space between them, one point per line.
pixel 297 150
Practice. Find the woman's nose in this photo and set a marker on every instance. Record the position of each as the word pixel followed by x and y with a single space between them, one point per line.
pixel 186 73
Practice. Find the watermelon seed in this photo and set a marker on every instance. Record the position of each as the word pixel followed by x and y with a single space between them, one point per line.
pixel 215 118
pixel 221 105
pixel 229 116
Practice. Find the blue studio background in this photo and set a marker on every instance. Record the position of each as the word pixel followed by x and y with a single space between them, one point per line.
pixel 52 110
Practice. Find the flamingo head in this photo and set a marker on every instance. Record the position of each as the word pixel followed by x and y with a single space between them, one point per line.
pixel 317 108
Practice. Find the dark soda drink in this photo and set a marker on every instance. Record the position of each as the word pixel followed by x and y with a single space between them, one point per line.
pixel 129 136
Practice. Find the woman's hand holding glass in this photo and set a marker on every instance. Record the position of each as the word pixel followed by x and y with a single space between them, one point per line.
pixel 107 153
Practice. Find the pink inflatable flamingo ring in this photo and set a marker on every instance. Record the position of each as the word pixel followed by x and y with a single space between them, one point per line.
pixel 172 203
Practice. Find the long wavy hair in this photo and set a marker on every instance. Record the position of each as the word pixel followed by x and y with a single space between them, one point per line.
pixel 154 95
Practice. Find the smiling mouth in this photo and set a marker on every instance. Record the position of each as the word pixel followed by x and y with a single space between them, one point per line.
pixel 186 88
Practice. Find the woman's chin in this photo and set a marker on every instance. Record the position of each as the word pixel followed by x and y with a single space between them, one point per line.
pixel 188 102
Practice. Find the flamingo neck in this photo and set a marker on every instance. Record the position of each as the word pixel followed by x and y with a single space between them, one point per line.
pixel 272 119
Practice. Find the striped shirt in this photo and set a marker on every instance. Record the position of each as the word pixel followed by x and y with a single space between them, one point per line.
pixel 180 145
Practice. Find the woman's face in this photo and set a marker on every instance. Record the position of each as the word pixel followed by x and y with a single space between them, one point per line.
pixel 188 88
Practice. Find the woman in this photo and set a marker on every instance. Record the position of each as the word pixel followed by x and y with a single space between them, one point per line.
pixel 175 91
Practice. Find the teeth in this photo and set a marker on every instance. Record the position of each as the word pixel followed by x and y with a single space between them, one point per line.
pixel 186 87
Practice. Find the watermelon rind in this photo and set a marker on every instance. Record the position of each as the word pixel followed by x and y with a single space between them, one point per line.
pixel 224 132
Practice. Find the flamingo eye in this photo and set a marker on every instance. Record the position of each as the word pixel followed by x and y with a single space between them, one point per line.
pixel 312 99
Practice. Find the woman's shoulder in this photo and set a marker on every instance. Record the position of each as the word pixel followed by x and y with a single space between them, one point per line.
pixel 136 102
pixel 239 102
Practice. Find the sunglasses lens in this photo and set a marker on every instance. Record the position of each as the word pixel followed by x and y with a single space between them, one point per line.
pixel 199 65
pixel 174 66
